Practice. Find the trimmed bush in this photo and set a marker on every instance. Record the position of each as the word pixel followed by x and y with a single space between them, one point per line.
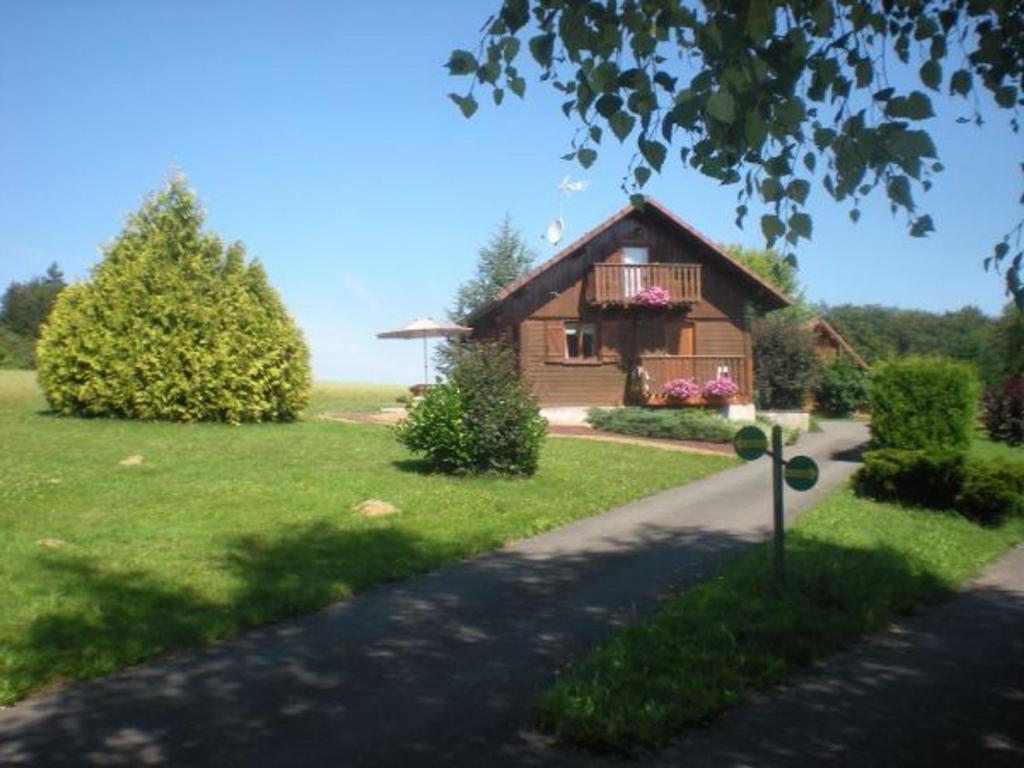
pixel 667 423
pixel 842 388
pixel 786 363
pixel 483 419
pixel 173 325
pixel 922 402
pixel 1003 412
pixel 985 490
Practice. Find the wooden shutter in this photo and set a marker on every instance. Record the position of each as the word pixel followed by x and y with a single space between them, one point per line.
pixel 609 339
pixel 679 338
pixel 554 341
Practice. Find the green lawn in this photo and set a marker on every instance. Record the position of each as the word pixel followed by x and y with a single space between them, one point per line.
pixel 854 566
pixel 985 448
pixel 220 527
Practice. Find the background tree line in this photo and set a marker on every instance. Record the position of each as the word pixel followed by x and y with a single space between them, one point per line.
pixel 24 308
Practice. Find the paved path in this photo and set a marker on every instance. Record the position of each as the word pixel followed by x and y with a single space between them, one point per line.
pixel 439 670
pixel 944 689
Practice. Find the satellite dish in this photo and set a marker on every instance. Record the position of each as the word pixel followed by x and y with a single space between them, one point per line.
pixel 554 232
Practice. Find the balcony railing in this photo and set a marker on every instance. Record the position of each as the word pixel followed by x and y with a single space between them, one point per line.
pixel 701 368
pixel 619 283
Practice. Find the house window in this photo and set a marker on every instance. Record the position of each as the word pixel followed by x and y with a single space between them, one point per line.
pixel 580 340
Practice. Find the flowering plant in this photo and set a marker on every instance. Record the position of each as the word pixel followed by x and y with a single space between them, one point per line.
pixel 653 296
pixel 681 388
pixel 723 386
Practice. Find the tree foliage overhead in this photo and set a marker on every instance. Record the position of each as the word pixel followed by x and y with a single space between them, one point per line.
pixel 769 95
pixel 174 325
pixel 501 262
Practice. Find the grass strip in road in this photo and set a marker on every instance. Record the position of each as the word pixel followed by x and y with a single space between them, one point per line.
pixel 853 567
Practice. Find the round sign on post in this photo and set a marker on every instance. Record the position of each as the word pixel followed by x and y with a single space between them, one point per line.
pixel 801 473
pixel 750 443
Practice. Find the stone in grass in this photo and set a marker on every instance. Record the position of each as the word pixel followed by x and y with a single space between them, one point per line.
pixel 131 461
pixel 375 508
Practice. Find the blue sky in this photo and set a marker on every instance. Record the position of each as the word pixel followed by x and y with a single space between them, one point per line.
pixel 319 135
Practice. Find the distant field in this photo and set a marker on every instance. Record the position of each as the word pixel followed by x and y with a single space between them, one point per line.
pixel 334 396
pixel 212 528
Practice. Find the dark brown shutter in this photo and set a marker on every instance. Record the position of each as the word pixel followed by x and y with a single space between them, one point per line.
pixel 609 337
pixel 554 341
pixel 678 338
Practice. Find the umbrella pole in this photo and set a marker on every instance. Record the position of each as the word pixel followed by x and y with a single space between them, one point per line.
pixel 426 377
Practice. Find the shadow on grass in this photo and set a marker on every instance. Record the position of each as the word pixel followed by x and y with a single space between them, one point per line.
pixel 415 466
pixel 435 671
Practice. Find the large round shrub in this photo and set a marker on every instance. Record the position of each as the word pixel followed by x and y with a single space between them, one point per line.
pixel 842 388
pixel 923 402
pixel 173 325
pixel 483 419
pixel 786 363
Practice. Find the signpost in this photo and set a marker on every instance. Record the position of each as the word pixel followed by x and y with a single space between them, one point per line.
pixel 800 473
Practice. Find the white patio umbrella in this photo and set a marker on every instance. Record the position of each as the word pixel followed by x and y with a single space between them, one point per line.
pixel 426 328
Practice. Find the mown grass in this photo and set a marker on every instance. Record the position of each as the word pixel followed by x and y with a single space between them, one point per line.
pixel 221 528
pixel 853 566
pixel 984 448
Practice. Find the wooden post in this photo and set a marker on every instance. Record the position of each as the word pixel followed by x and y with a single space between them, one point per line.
pixel 778 514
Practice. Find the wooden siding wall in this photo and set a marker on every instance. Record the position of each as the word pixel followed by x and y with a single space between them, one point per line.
pixel 558 295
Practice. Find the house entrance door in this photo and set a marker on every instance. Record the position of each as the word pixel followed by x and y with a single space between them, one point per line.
pixel 634 269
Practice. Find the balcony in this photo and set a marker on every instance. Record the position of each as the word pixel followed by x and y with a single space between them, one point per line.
pixel 659 369
pixel 610 284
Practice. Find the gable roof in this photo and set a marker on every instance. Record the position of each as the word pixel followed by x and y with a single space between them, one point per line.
pixel 822 325
pixel 650 205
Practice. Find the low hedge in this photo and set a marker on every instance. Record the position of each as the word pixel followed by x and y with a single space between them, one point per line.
pixel 670 423
pixel 985 490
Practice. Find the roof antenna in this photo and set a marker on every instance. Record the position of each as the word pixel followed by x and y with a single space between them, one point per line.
pixel 555 229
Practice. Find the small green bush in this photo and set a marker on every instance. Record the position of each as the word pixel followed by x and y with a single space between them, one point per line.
pixel 921 403
pixel 842 388
pixel 928 478
pixel 483 419
pixel 173 325
pixel 992 489
pixel 786 363
pixel 985 490
pixel 668 423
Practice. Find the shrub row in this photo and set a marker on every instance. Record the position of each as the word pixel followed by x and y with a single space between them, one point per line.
pixel 985 490
pixel 670 423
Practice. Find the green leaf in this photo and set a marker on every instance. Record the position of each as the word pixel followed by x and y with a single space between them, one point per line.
pixel 641 173
pixel 800 224
pixel 498 95
pixel 467 104
pixel 586 157
pixel 542 47
pixel 638 201
pixel 919 106
pixel 1006 96
pixel 509 48
pixel 771 189
pixel 931 74
pixel 722 107
pixel 922 226
pixel 755 130
pixel 772 227
pixel 960 82
pixel 654 153
pixel 518 86
pixel 461 63
pixel 899 193
pixel 515 13
pixel 621 124
pixel 595 133
pixel 608 105
pixel 798 190
pixel 823 137
pixel 810 161
pixel 855 215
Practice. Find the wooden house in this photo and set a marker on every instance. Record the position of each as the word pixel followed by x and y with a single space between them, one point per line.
pixel 830 344
pixel 586 328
